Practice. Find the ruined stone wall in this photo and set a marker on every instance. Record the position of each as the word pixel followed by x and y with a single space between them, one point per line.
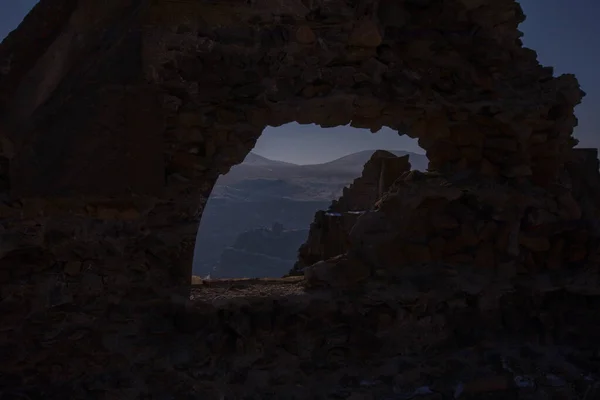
pixel 378 174
pixel 117 117
pixel 197 83
pixel 328 237
pixel 520 231
pixel 473 223
pixel 329 232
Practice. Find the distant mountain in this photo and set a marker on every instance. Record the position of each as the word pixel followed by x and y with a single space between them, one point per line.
pixel 260 161
pixel 256 167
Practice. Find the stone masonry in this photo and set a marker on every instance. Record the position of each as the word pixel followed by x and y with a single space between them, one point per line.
pixel 117 117
pixel 512 231
pixel 566 234
pixel 329 233
pixel 379 173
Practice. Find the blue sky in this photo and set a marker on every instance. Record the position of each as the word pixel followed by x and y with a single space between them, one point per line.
pixel 565 34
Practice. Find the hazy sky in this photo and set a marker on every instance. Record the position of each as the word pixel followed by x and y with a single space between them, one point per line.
pixel 565 33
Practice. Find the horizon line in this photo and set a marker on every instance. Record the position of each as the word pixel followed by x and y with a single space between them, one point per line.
pixel 334 159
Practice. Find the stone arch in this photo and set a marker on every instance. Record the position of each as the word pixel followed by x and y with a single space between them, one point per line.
pixel 198 91
pixel 122 116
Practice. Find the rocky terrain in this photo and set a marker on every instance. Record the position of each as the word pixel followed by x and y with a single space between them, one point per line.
pixel 475 280
pixel 259 193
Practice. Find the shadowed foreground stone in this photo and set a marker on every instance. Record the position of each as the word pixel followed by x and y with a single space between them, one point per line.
pixel 117 117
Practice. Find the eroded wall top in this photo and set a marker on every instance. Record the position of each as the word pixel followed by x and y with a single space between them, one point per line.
pixel 83 82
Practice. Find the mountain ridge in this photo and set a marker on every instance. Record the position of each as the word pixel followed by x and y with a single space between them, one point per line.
pixel 258 160
pixel 356 156
pixel 346 168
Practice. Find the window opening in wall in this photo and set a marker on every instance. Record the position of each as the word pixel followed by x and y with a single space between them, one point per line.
pixel 259 213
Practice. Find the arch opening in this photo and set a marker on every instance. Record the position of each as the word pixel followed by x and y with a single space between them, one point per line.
pixel 464 142
pixel 259 214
